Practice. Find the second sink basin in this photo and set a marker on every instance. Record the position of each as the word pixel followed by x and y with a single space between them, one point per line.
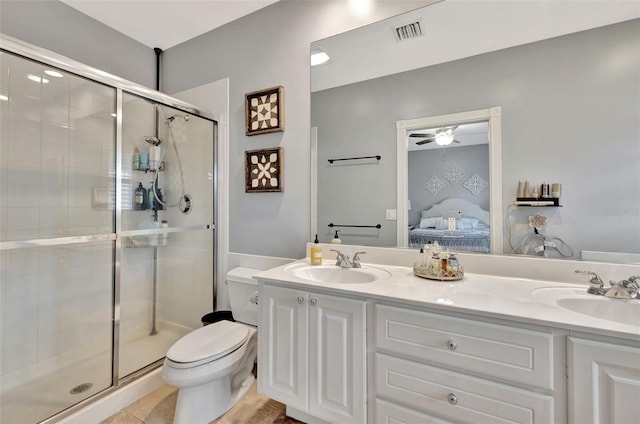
pixel 577 300
pixel 335 274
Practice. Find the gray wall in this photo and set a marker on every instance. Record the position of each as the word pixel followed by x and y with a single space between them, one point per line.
pixel 267 48
pixel 570 114
pixel 54 26
pixel 422 164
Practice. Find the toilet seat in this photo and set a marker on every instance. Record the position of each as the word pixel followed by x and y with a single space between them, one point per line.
pixel 207 344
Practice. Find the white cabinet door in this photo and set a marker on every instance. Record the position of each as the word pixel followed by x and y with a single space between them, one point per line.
pixel 282 335
pixel 337 365
pixel 604 382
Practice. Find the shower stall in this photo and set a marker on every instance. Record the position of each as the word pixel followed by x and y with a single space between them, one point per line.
pixel 107 230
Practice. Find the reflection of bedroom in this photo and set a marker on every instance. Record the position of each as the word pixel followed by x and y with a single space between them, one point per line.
pixel 438 174
pixel 449 181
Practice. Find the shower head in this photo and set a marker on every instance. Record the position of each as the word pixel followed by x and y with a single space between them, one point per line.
pixel 152 139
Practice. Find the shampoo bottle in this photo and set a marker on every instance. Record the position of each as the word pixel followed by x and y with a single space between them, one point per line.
pixel 139 198
pixel 336 239
pixel 136 159
pixel 316 253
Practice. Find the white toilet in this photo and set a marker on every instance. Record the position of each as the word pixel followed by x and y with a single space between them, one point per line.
pixel 211 366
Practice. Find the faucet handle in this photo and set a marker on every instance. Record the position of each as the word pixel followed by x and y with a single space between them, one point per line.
pixel 596 283
pixel 632 286
pixel 356 259
pixel 339 253
pixel 342 260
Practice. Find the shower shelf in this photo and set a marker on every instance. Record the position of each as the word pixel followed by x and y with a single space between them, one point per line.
pixel 145 170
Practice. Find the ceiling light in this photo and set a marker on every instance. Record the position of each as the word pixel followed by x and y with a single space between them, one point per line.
pixel 4 98
pixel 37 79
pixel 444 138
pixel 53 73
pixel 318 57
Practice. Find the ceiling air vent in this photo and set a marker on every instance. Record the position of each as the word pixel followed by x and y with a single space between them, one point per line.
pixel 408 31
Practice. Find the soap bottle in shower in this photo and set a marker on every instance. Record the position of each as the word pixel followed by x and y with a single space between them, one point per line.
pixel 139 198
pixel 152 197
pixel 164 238
pixel 136 159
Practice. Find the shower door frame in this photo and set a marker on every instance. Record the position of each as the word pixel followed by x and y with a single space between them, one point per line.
pixel 25 50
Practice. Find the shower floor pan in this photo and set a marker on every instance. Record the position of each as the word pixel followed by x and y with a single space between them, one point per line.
pixel 40 398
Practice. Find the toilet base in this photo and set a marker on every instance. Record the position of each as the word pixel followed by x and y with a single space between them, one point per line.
pixel 206 402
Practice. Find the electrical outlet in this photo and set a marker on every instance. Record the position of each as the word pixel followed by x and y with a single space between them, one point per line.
pixel 391 215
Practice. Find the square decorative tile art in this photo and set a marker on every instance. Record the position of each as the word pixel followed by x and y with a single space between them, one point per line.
pixel 264 170
pixel 475 184
pixel 264 111
pixel 434 185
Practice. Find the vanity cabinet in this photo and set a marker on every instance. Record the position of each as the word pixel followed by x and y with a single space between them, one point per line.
pixel 604 381
pixel 312 353
pixel 463 370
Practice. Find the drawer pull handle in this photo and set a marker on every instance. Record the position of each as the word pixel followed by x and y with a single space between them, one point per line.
pixel 313 302
pixel 452 399
pixel 452 345
pixel 300 299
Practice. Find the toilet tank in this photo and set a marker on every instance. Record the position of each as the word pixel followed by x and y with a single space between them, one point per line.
pixel 242 290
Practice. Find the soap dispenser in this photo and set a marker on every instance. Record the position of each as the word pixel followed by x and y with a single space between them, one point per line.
pixel 316 252
pixel 336 239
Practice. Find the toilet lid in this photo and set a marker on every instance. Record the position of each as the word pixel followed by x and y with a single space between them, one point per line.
pixel 208 343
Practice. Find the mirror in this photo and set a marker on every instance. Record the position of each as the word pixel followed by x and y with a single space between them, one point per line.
pixel 564 75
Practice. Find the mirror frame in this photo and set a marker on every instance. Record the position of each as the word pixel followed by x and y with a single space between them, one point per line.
pixel 494 116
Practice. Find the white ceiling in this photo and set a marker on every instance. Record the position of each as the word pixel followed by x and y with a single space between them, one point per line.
pixel 166 23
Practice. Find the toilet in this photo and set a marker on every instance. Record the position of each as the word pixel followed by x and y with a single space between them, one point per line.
pixel 211 366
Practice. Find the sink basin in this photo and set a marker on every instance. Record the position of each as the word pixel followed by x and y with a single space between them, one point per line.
pixel 622 311
pixel 578 300
pixel 335 274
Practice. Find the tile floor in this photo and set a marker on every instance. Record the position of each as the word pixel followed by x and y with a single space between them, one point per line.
pixel 158 408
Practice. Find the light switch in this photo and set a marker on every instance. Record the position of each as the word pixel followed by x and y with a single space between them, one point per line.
pixel 391 214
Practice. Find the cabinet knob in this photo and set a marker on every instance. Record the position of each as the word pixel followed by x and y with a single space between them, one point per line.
pixel 452 399
pixel 300 299
pixel 452 345
pixel 313 302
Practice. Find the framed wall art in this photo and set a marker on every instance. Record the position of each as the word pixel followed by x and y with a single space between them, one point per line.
pixel 264 170
pixel 264 111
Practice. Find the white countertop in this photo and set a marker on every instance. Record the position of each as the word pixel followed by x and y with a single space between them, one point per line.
pixel 478 294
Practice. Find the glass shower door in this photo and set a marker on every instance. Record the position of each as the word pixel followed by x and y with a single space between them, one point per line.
pixel 167 214
pixel 57 175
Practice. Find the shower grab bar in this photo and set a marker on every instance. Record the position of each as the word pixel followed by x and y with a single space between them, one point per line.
pixel 356 226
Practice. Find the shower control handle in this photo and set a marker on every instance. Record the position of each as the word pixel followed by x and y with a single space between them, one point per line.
pixel 300 299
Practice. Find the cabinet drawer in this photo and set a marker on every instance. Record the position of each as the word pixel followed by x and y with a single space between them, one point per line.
pixel 387 412
pixel 457 397
pixel 502 352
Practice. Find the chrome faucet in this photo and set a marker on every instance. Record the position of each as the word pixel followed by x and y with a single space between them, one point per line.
pixel 343 261
pixel 596 285
pixel 625 289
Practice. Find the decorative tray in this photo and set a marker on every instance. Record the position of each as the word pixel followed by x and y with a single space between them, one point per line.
pixel 424 272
